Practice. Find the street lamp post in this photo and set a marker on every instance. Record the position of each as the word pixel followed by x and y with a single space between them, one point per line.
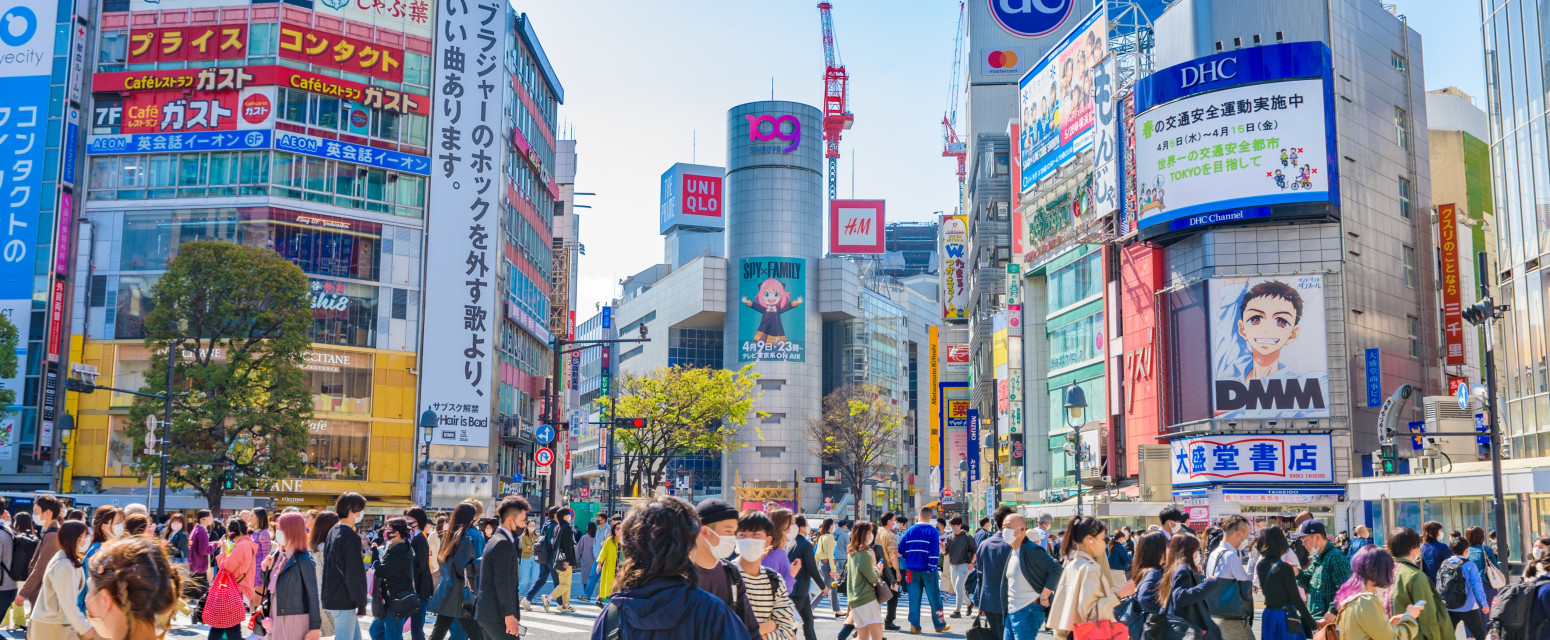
pixel 1076 403
pixel 1483 314
pixel 427 428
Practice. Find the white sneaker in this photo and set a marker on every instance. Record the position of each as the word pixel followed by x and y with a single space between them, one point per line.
pixel 546 603
pixel 526 606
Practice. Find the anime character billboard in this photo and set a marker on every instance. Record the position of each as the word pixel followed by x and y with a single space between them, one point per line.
pixel 1269 354
pixel 771 325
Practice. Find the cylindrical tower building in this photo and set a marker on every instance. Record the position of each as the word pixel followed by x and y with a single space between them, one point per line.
pixel 774 232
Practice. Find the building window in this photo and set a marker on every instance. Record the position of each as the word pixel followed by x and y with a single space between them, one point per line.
pixel 1401 128
pixel 1408 253
pixel 1413 325
pixel 1404 198
pixel 1398 62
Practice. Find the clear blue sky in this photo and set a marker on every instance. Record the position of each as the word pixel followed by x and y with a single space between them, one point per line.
pixel 648 84
pixel 644 80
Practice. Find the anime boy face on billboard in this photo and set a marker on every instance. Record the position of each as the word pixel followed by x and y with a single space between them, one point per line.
pixel 1269 352
pixel 1269 320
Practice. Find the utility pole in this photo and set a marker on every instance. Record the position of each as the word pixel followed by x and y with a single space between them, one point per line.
pixel 166 430
pixel 1484 314
pixel 560 347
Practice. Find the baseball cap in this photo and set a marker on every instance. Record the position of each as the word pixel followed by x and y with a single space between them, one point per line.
pixel 712 510
pixel 1310 527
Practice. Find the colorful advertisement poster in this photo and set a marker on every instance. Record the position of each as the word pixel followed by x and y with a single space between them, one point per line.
pixel 955 267
pixel 1223 138
pixel 856 226
pixel 1269 352
pixel 461 257
pixel 772 325
pixel 180 112
pixel 1254 458
pixel 1452 285
pixel 1055 101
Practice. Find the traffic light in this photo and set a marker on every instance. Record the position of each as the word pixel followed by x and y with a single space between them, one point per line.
pixel 629 423
pixel 642 331
pixel 1481 312
pixel 228 483
pixel 79 386
pixel 1390 461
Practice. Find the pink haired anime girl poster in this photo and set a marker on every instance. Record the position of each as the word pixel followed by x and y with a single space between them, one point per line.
pixel 772 325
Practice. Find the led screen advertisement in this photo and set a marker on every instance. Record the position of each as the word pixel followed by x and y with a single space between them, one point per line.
pixel 1227 137
pixel 771 323
pixel 1269 352
pixel 1055 101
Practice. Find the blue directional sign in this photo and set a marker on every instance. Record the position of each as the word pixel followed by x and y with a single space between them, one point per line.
pixel 1417 434
pixel 1463 396
pixel 175 142
pixel 544 433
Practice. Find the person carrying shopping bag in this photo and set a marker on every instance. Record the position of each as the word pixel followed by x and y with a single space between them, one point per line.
pixel 1086 595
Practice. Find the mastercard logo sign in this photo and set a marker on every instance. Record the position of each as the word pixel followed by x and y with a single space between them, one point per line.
pixel 256 108
pixel 1002 59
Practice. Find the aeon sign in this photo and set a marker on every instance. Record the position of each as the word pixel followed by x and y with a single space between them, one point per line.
pixel 1030 18
pixel 766 128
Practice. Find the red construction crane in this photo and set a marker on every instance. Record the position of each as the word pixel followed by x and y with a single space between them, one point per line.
pixel 952 147
pixel 836 105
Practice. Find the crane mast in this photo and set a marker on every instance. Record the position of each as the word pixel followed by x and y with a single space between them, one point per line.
pixel 952 147
pixel 836 104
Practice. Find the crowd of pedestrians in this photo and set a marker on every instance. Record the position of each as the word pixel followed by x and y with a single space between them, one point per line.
pixel 668 570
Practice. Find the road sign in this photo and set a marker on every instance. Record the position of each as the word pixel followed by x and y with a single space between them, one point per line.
pixel 947 494
pixel 543 471
pixel 544 457
pixel 1463 396
pixel 544 433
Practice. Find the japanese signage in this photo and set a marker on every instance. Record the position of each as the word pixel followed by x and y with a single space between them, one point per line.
pixel 349 54
pixel 56 318
pixel 349 152
pixel 1269 355
pixel 1452 285
pixel 177 44
pixel 1373 359
pixel 934 345
pixel 460 296
pixel 955 436
pixel 409 16
pixel 1283 496
pixel 955 267
pixel 224 78
pixel 973 446
pixel 856 226
pixel 1127 220
pixel 27 49
pixel 179 112
pixel 176 142
pixel 1106 150
pixel 1055 101
pixel 691 196
pixel 771 325
pixel 1253 458
pixel 1051 225
pixel 1235 131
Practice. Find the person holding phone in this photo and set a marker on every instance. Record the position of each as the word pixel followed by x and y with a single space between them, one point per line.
pixel 1359 602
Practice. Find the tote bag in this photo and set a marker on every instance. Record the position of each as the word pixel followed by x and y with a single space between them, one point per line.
pixel 224 607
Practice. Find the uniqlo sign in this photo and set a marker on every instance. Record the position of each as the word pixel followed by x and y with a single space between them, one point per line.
pixel 855 226
pixel 701 195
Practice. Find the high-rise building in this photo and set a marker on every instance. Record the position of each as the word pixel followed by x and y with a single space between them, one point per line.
pixel 909 249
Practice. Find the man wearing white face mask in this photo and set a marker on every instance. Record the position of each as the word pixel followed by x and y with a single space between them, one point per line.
pixel 1173 521
pixel 716 542
pixel 766 588
pixel 1232 604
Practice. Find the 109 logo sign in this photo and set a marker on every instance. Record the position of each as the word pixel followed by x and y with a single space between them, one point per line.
pixel 776 131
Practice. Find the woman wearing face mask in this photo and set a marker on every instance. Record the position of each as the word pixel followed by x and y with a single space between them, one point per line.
pixel 459 572
pixel 291 578
pixel 528 567
pixel 316 536
pixel 258 530
pixel 608 563
pixel 866 613
pixel 1086 592
pixel 781 539
pixel 176 539
pixel 57 613
pixel 239 562
pixel 133 590
pixel 107 523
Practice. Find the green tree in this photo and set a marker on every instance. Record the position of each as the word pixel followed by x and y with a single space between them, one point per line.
pixel 858 434
pixel 237 318
pixel 687 410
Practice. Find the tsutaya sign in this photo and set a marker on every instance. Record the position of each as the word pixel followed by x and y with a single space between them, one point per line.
pixel 765 128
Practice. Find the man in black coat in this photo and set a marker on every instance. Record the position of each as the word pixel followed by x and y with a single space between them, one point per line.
pixel 424 585
pixel 498 610
pixel 802 595
pixel 344 574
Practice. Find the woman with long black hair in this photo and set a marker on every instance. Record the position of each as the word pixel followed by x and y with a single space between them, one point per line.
pixel 1182 592
pixel 1285 611
pixel 459 569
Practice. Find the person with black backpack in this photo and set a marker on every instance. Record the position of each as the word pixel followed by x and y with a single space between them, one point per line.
pixel 1461 586
pixel 12 614
pixel 1522 609
pixel 543 554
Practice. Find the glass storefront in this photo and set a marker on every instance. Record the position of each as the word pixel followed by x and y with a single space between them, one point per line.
pixel 336 449
pixel 340 381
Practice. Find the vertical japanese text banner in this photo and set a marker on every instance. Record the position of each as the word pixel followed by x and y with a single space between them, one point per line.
pixel 461 297
pixel 1452 298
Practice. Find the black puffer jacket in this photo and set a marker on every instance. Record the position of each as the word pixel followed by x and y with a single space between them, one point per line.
pixel 395 577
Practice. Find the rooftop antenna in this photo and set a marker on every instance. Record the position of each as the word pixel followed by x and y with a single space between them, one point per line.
pixel 772 87
pixel 694 147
